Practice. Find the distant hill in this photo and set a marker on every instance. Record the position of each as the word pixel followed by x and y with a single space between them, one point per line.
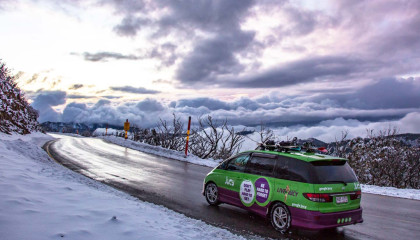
pixel 407 139
pixel 81 128
pixel 16 115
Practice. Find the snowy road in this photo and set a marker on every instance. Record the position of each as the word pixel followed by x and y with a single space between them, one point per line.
pixel 178 185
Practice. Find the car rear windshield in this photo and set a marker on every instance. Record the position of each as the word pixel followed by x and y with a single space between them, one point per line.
pixel 330 172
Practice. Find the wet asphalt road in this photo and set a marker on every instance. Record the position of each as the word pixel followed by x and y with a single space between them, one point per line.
pixel 178 186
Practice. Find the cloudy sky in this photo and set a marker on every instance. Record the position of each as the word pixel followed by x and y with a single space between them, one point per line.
pixel 306 63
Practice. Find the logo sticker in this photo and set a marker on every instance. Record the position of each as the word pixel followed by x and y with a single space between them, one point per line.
pixel 356 186
pixel 229 182
pixel 263 190
pixel 247 192
pixel 286 191
pixel 325 189
pixel 298 205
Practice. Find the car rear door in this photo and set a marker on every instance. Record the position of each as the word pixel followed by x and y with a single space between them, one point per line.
pixel 337 180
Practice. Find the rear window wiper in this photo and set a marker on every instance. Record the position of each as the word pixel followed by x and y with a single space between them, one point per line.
pixel 337 181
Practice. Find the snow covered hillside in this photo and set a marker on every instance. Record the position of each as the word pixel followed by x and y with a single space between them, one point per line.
pixel 15 113
pixel 40 199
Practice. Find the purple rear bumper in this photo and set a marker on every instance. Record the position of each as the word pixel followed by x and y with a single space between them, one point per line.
pixel 316 220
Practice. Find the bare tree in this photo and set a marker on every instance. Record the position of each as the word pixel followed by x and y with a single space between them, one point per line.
pixel 230 145
pixel 265 133
pixel 214 139
pixel 170 134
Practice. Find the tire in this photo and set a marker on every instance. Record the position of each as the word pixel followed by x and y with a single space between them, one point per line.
pixel 280 217
pixel 212 194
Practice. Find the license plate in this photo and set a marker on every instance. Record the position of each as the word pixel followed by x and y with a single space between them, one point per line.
pixel 342 199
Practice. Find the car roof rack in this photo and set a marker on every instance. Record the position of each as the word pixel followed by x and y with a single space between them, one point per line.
pixel 288 146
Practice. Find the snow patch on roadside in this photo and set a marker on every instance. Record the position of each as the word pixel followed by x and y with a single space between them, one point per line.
pixel 159 151
pixel 40 199
pixel 392 192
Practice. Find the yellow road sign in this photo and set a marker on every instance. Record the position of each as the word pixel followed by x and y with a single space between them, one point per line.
pixel 126 126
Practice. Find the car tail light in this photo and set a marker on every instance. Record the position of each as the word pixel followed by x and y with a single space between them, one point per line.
pixel 318 197
pixel 356 195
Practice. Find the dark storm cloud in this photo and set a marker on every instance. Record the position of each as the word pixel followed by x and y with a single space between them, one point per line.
pixel 391 93
pixel 44 101
pixel 162 81
pixel 388 93
pixel 210 103
pixel 214 57
pixel 73 111
pixel 165 53
pixel 301 71
pixel 205 15
pixel 130 26
pixel 149 105
pixel 111 97
pixel 76 86
pixel 102 102
pixel 103 56
pixel 76 96
pixel 303 22
pixel 139 90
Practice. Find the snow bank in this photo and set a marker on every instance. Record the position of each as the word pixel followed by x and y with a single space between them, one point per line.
pixel 40 199
pixel 159 151
pixel 110 131
pixel 391 191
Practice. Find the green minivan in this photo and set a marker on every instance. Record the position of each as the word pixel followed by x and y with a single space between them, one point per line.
pixel 291 188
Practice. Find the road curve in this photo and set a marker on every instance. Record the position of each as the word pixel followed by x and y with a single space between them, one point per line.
pixel 178 185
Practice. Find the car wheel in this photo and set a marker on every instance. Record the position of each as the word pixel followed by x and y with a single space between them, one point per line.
pixel 280 217
pixel 212 194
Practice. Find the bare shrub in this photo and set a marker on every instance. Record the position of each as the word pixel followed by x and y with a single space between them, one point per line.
pixel 265 133
pixel 214 139
pixel 170 134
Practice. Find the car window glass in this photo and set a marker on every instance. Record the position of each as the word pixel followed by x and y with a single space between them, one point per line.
pixel 294 170
pixel 333 171
pixel 261 165
pixel 238 164
pixel 299 170
pixel 224 164
pixel 281 167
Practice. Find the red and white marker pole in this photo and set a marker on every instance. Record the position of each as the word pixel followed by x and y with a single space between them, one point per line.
pixel 188 136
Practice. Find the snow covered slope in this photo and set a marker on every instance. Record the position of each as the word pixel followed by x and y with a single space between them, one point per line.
pixel 40 199
pixel 15 113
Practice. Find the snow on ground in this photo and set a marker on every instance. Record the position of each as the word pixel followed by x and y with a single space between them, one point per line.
pixel 391 191
pixel 40 199
pixel 109 131
pixel 156 150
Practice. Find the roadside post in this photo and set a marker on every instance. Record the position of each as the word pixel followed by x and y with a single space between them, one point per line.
pixel 126 128
pixel 106 130
pixel 188 136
